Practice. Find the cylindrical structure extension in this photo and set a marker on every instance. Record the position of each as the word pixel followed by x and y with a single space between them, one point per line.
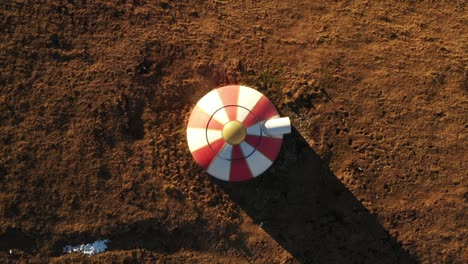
pixel 277 126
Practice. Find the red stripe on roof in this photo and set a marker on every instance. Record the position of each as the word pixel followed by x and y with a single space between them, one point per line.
pixel 263 110
pixel 205 155
pixel 200 119
pixel 240 171
pixel 231 112
pixel 237 152
pixel 214 124
pixel 229 96
pixel 269 147
pixel 253 140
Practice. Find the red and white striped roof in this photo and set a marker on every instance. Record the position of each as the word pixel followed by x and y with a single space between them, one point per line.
pixel 219 158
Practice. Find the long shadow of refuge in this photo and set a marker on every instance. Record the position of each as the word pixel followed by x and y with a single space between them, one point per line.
pixel 305 208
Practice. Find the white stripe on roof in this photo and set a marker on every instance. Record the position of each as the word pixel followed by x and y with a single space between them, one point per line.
pixel 213 134
pixel 212 102
pixel 196 138
pixel 258 163
pixel 246 149
pixel 248 98
pixel 220 168
pixel 255 129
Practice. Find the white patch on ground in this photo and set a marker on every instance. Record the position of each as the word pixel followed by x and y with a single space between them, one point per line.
pixel 88 249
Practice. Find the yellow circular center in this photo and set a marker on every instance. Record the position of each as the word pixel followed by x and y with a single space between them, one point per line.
pixel 234 132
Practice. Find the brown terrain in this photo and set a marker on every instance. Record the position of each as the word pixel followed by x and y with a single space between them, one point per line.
pixel 95 97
